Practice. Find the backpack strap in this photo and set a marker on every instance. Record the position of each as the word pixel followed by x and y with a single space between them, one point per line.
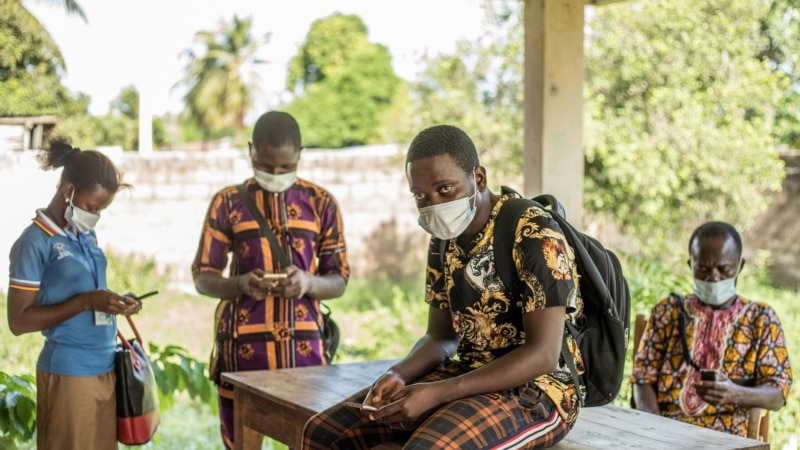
pixel 505 230
pixel 505 227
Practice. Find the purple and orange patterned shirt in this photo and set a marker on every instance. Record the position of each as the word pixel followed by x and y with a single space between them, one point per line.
pixel 745 341
pixel 273 333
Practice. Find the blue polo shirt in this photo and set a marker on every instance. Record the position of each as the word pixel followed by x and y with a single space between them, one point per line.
pixel 58 266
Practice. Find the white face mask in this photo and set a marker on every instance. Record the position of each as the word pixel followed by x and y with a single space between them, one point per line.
pixel 448 220
pixel 81 220
pixel 715 293
pixel 275 182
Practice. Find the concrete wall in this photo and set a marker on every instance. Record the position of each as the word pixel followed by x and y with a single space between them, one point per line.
pixel 163 215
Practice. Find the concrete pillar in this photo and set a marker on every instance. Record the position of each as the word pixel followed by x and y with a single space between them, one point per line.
pixel 145 119
pixel 553 137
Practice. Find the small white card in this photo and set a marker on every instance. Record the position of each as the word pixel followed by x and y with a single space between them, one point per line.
pixel 101 318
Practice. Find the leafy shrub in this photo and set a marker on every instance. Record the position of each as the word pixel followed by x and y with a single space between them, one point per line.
pixel 17 409
pixel 177 372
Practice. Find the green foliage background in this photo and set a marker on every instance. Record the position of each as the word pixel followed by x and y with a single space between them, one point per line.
pixel 681 124
pixel 343 84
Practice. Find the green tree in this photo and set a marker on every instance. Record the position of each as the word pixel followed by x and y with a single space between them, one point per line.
pixel 70 6
pixel 219 76
pixel 343 83
pixel 119 126
pixel 679 126
pixel 478 88
pixel 781 30
pixel 31 65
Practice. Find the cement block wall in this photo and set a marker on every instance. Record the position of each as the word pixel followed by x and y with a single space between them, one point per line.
pixel 162 216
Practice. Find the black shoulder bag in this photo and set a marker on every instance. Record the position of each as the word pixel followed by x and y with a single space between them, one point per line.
pixel 329 330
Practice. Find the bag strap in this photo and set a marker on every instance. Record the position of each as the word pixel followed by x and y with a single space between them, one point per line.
pixel 126 343
pixel 266 231
pixel 682 328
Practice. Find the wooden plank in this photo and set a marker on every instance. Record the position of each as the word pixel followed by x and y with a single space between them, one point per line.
pixel 278 403
pixel 615 427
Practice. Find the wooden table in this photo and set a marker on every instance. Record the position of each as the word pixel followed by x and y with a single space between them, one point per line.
pixel 277 404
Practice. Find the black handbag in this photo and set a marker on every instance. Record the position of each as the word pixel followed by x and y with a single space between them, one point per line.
pixel 138 414
pixel 329 330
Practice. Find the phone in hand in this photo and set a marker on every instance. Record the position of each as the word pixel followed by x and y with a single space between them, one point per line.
pixel 144 296
pixel 361 406
pixel 274 276
pixel 708 375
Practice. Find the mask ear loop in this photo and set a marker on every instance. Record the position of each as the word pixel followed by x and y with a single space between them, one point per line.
pixel 71 196
pixel 475 195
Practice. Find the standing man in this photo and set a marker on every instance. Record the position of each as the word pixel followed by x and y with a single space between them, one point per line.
pixel 739 343
pixel 264 322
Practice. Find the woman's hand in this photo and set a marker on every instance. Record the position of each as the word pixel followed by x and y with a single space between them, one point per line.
pixel 113 303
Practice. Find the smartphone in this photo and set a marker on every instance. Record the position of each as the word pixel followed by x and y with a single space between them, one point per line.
pixel 144 296
pixel 708 375
pixel 361 406
pixel 274 276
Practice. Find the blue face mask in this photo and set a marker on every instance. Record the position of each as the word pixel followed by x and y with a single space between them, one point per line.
pixel 715 293
pixel 80 220
pixel 448 220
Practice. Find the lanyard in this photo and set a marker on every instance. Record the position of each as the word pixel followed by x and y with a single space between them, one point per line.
pixel 86 252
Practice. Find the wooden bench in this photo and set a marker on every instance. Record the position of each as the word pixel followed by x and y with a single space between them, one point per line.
pixel 277 404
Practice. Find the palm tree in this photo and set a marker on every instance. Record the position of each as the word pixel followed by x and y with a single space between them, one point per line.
pixel 71 6
pixel 219 75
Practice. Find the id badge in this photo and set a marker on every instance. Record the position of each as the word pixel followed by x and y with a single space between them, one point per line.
pixel 102 319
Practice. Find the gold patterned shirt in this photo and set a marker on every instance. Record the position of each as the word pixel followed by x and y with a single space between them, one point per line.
pixel 487 315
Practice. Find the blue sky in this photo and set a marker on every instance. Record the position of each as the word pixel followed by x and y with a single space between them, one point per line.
pixel 138 42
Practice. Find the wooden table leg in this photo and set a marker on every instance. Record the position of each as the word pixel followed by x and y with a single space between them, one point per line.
pixel 244 437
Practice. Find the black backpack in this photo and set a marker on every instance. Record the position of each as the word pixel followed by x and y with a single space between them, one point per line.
pixel 602 331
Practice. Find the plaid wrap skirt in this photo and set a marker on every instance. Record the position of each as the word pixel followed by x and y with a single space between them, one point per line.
pixel 519 418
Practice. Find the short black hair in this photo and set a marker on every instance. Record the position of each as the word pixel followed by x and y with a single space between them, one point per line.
pixel 718 230
pixel 276 129
pixel 444 140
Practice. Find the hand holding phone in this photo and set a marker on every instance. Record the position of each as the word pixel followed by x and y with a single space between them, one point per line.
pixel 361 406
pixel 708 375
pixel 273 276
pixel 144 296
